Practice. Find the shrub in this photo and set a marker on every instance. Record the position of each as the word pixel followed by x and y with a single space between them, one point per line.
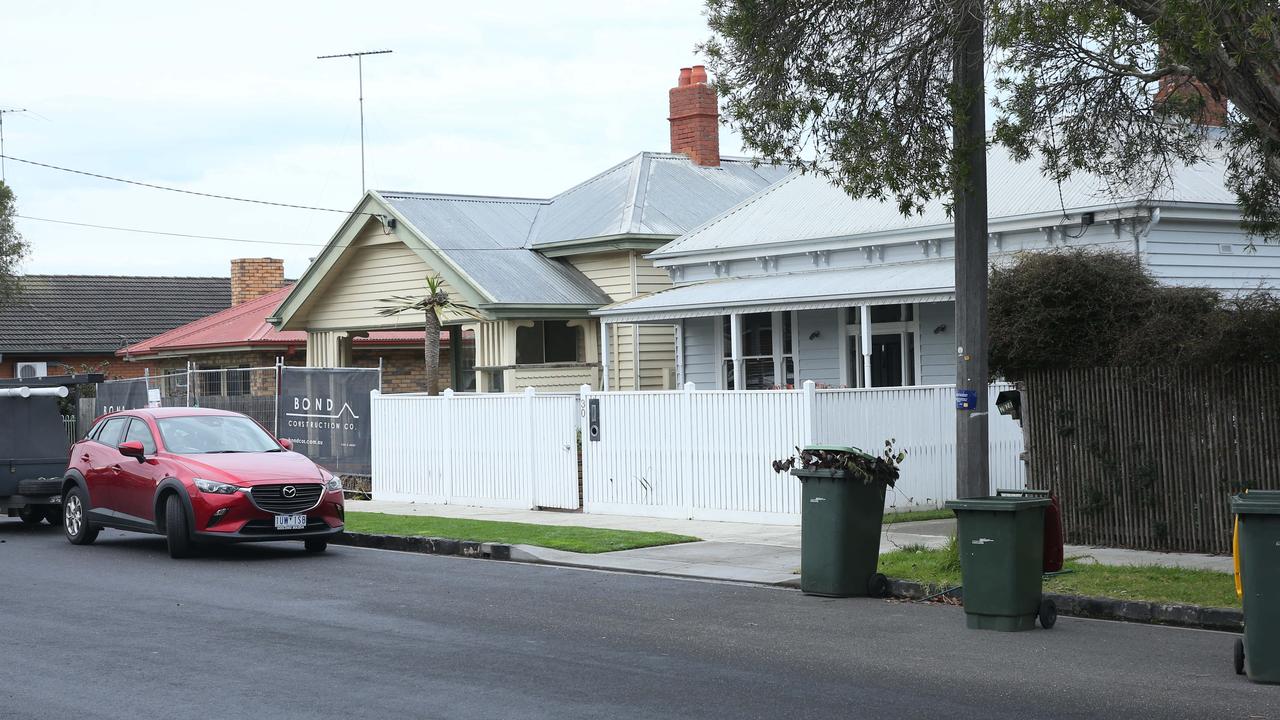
pixel 1084 308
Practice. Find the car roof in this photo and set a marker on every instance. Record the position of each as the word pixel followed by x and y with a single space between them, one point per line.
pixel 159 413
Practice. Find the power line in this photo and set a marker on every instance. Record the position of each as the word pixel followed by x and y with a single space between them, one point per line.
pixel 169 234
pixel 197 193
pixel 217 237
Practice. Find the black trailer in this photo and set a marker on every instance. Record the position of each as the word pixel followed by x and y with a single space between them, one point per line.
pixel 34 446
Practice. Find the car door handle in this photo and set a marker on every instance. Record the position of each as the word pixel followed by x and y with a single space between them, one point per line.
pixel 84 458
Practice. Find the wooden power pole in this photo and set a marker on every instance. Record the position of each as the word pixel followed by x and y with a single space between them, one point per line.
pixel 970 214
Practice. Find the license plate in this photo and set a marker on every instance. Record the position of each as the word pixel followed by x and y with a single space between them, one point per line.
pixel 291 522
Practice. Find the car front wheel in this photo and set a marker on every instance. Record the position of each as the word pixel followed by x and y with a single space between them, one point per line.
pixel 75 518
pixel 176 528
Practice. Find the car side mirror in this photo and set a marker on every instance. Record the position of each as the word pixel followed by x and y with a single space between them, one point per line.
pixel 286 443
pixel 132 449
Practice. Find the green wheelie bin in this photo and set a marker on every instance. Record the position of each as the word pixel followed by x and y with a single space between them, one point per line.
pixel 1001 541
pixel 840 532
pixel 1258 652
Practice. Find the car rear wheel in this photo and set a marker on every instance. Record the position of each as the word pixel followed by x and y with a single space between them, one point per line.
pixel 176 528
pixel 75 518
pixel 315 545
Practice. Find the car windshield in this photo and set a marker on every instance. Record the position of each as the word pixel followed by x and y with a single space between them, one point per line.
pixel 194 434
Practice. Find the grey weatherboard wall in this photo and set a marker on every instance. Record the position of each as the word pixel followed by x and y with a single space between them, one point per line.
pixel 937 347
pixel 700 361
pixel 819 359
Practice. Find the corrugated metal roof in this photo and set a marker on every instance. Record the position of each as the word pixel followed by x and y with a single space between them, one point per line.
pixel 494 239
pixel 650 194
pixel 486 237
pixel 807 207
pixel 924 281
pixel 245 325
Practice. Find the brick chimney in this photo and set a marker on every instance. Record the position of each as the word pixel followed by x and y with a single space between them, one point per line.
pixel 695 127
pixel 1189 89
pixel 251 278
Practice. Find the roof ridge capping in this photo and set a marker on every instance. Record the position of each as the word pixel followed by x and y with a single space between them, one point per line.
pixel 459 197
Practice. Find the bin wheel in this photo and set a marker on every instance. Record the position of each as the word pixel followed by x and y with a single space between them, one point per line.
pixel 1048 613
pixel 1239 656
pixel 878 586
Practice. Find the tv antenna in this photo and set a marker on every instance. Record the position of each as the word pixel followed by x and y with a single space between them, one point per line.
pixel 359 56
pixel 2 112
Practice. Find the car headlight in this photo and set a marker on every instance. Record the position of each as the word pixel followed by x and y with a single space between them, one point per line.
pixel 334 484
pixel 215 487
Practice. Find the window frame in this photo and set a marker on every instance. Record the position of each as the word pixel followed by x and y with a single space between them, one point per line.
pixel 784 329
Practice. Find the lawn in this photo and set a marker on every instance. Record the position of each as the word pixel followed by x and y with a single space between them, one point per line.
pixel 916 515
pixel 1157 584
pixel 573 539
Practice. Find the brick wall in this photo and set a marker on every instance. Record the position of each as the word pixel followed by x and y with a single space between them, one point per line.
pixel 251 278
pixel 405 370
pixel 695 128
pixel 402 370
pixel 113 367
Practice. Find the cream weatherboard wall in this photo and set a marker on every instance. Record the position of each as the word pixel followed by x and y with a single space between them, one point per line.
pixel 377 266
pixel 624 275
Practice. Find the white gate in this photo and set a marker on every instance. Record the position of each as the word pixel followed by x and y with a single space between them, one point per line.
pixel 707 455
pixel 490 450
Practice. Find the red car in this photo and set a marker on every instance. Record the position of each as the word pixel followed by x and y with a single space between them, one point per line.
pixel 196 475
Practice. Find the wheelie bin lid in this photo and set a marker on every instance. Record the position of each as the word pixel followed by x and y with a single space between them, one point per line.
pixel 999 503
pixel 841 448
pixel 1256 502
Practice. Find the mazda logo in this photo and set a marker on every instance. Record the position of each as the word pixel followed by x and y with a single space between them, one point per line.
pixel 289 491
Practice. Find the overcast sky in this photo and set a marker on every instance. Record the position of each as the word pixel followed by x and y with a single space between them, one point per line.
pixel 502 98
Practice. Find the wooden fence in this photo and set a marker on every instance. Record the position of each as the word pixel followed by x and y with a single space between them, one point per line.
pixel 1147 457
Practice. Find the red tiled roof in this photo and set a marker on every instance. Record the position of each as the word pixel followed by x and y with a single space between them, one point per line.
pixel 245 325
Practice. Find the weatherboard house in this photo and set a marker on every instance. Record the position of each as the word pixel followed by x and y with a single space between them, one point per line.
pixel 534 268
pixel 801 282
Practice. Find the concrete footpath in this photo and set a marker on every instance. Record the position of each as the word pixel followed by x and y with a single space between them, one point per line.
pixel 742 552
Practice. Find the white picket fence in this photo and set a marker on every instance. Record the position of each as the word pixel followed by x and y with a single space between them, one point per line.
pixel 708 455
pixel 681 454
pixel 490 450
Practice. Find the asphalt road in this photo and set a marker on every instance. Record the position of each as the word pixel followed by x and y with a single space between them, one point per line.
pixel 118 630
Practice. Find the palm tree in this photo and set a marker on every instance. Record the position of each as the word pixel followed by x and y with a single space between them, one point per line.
pixel 434 305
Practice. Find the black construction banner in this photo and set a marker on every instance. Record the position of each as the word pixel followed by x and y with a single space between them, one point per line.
pixel 119 395
pixel 324 412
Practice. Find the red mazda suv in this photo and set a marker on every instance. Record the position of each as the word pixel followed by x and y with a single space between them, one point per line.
pixel 196 475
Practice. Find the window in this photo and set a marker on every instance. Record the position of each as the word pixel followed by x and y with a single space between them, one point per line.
pixel 196 434
pixel 210 382
pixel 112 431
pixel 547 341
pixel 893 347
pixel 768 360
pixel 463 360
pixel 239 380
pixel 139 431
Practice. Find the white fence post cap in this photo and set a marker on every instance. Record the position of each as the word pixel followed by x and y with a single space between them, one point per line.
pixel 529 391
pixel 690 387
pixel 448 392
